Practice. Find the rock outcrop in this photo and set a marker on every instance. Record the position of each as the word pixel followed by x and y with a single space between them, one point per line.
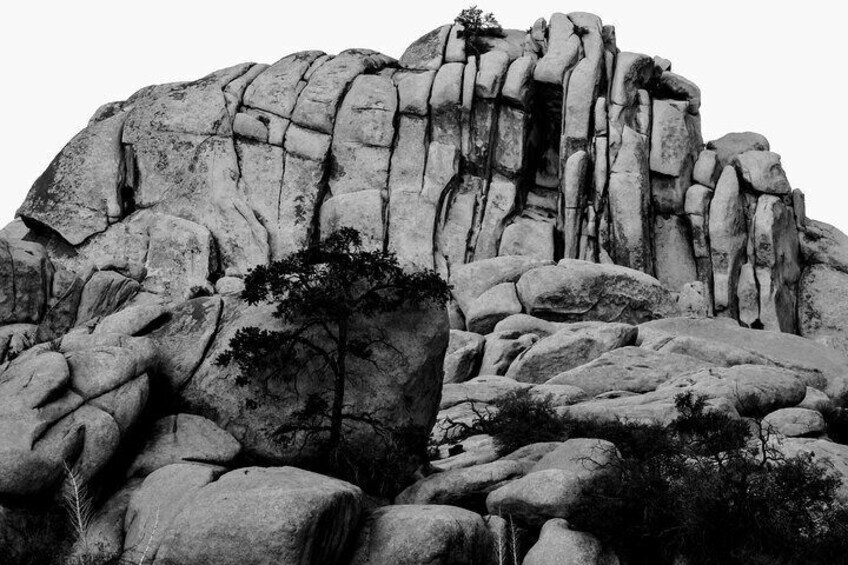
pixel 558 147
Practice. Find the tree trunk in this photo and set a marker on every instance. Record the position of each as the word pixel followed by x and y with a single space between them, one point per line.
pixel 339 390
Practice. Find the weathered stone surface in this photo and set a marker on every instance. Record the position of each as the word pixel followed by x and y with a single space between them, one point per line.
pixel 101 438
pixel 823 306
pixel 512 141
pixel 527 324
pixel 195 177
pixel 362 211
pixel 410 367
pixel 466 488
pixel 707 169
pixel 25 281
pixel 125 403
pixel 261 167
pixel 62 314
pixel 473 279
pixel 104 293
pixel 491 73
pixel 183 438
pixel 32 399
pixel 445 103
pixel 14 339
pixel 569 348
pixel 500 203
pixel 561 545
pixel 79 193
pixel 556 483
pixel 574 181
pixel 414 92
pixel 582 88
pixel 104 368
pixel 732 144
pixel 577 455
pixel 575 290
pixel 457 223
pixel 132 320
pixel 197 107
pixel 815 364
pixel 182 341
pixel 563 51
pixel 236 519
pixel 179 256
pixel 481 390
pixel 796 422
pixel 632 71
pixel 814 399
pixel 559 394
pixel 529 237
pixel 629 199
pixel 412 219
pixel 824 244
pixel 318 102
pixel 799 205
pixel 229 285
pixel 250 127
pixel 748 296
pixel 652 407
pixel 475 450
pixel 753 389
pixel 497 303
pixel 154 505
pixel 676 87
pixel 632 369
pixel 532 453
pixel 418 534
pixel 762 171
pixel 276 89
pixel 674 258
pixel 671 138
pixel 502 348
pixel 455 48
pixel 518 85
pixel 427 52
pixel 463 356
pixel 728 238
pixel 777 266
pixel 104 536
pixel 16 229
pixel 697 208
pixel 363 135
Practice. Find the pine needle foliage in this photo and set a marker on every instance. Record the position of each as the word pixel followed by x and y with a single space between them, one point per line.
pixel 322 295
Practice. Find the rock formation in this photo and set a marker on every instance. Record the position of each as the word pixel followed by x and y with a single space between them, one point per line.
pixel 600 254
pixel 558 146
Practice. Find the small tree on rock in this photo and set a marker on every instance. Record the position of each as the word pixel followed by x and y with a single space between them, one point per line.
pixel 320 294
pixel 478 26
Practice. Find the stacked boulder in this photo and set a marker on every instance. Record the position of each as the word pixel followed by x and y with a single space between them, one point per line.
pixel 548 145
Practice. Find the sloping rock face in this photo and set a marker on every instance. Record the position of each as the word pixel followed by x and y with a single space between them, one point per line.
pixel 69 407
pixel 190 517
pixel 554 144
pixel 400 389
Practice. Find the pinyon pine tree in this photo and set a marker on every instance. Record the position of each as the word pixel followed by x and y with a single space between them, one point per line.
pixel 320 294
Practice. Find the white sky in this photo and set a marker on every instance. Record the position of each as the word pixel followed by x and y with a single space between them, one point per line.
pixel 774 67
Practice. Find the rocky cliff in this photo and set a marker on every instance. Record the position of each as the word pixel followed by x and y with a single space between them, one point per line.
pixel 553 144
pixel 560 184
